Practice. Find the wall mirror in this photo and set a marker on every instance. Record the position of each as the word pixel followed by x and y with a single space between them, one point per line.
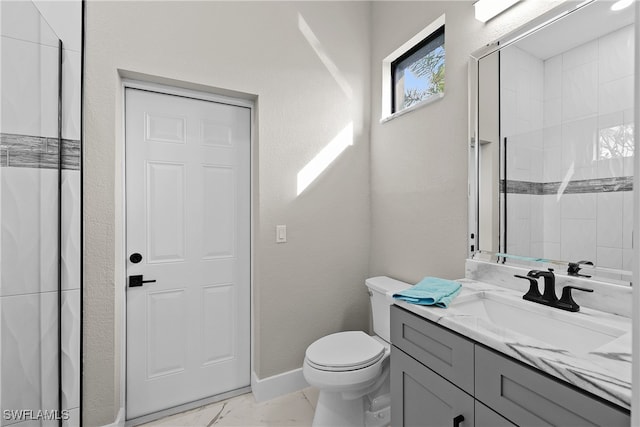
pixel 551 143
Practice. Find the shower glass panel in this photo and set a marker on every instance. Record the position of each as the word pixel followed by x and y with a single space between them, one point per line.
pixel 30 257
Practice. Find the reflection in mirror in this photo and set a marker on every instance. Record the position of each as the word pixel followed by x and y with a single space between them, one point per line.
pixel 555 158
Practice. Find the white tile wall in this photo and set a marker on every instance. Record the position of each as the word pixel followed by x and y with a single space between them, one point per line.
pixel 610 220
pixel 521 92
pixel 64 18
pixel 578 206
pixel 552 80
pixel 29 88
pixel 29 357
pixel 70 229
pixel 578 239
pixel 29 226
pixel 609 167
pixel 629 121
pixel 71 348
pixel 74 418
pixel 627 220
pixel 552 220
pixel 28 210
pixel 71 71
pixel 616 95
pixel 614 61
pixel 21 20
pixel 579 91
pixel 585 91
pixel 609 257
pixel 583 54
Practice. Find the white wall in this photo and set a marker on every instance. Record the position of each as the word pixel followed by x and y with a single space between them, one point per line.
pixel 30 202
pixel 307 66
pixel 419 160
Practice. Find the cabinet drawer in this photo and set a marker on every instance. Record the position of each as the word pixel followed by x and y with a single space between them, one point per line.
pixel 442 351
pixel 485 417
pixel 529 398
pixel 422 398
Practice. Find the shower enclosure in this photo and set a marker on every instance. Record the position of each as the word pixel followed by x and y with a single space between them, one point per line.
pixel 39 228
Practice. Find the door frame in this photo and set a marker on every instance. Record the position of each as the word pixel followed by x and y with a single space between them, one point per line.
pixel 204 93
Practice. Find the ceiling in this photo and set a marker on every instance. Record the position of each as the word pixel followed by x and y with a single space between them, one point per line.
pixel 588 23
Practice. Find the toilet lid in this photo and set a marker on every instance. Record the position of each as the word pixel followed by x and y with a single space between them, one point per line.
pixel 344 351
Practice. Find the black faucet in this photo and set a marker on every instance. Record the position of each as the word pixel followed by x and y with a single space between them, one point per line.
pixel 549 296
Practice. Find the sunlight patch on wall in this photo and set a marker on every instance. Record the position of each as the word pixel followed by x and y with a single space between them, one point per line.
pixel 324 57
pixel 325 157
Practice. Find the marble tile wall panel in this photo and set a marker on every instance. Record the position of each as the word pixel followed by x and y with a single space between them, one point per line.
pixel 70 351
pixel 29 339
pixel 28 230
pixel 584 186
pixel 38 152
pixel 28 159
pixel 29 103
pixel 23 21
pixel 71 218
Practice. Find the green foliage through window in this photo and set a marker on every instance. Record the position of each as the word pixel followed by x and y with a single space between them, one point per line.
pixel 419 74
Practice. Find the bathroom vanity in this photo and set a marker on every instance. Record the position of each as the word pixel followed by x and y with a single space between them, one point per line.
pixel 458 367
pixel 438 376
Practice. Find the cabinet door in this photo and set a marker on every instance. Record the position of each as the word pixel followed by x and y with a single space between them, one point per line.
pixel 485 417
pixel 443 351
pixel 420 397
pixel 529 398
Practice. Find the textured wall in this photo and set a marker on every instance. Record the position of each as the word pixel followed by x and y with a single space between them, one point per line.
pixel 308 65
pixel 419 160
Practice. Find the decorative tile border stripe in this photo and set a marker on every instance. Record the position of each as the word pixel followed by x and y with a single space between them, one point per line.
pixel 599 185
pixel 24 151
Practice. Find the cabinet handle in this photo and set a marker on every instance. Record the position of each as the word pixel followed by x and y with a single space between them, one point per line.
pixel 457 420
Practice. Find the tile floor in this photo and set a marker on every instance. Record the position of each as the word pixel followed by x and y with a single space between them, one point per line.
pixel 295 409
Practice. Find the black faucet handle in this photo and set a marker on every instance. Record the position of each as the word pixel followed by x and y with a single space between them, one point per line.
pixel 566 301
pixel 574 268
pixel 534 291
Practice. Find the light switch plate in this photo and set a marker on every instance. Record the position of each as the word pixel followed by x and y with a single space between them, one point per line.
pixel 281 234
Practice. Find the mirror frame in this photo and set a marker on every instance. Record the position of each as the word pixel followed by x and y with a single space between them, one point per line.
pixel 474 252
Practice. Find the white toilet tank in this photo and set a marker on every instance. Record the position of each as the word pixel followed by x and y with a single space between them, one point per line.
pixel 381 290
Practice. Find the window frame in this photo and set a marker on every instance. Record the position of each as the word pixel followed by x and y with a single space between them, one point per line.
pixel 394 65
pixel 406 49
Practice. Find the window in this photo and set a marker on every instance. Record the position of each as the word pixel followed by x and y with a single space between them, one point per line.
pixel 414 74
pixel 419 73
pixel 615 142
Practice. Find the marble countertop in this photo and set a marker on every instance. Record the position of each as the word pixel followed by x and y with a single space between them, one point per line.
pixel 605 371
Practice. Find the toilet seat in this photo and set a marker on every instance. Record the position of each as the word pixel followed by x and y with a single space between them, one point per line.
pixel 344 351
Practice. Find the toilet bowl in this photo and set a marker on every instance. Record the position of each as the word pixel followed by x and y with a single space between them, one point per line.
pixel 351 369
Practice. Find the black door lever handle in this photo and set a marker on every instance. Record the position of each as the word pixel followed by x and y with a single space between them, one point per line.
pixel 136 280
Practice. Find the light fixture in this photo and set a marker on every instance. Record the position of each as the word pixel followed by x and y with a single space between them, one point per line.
pixel 621 4
pixel 487 9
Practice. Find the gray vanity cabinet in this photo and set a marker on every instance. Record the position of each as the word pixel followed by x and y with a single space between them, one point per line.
pixel 523 394
pixel 430 400
pixel 438 376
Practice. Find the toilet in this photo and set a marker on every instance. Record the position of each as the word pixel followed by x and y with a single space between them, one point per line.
pixel 351 369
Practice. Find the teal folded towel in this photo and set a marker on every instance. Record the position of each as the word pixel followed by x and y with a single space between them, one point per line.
pixel 431 291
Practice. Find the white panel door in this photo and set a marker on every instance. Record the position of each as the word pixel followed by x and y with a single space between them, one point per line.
pixel 188 218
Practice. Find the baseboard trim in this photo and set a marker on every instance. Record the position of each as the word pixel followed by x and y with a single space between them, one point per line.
pixel 119 422
pixel 277 385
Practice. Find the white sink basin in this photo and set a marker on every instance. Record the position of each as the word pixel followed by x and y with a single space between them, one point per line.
pixel 561 329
